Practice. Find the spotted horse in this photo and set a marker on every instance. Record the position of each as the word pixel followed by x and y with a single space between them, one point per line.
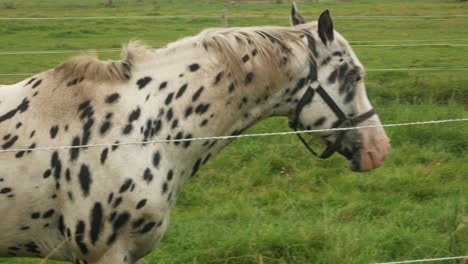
pixel 111 204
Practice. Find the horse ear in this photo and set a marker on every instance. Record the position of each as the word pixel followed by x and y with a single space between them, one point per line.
pixel 296 18
pixel 325 27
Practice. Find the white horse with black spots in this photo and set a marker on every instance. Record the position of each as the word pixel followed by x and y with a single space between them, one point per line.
pixel 112 204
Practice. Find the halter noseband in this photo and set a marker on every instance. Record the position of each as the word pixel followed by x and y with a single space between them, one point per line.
pixel 343 120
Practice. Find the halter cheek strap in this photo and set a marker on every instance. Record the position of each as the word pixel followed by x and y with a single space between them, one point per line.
pixel 306 99
pixel 343 120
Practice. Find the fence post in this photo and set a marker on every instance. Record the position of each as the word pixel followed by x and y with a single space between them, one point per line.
pixel 224 18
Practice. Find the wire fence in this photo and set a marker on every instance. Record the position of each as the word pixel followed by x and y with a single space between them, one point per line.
pixel 461 68
pixel 407 40
pixel 105 50
pixel 385 44
pixel 234 15
pixel 412 45
pixel 463 258
pixel 108 50
pixel 160 141
pixel 41 52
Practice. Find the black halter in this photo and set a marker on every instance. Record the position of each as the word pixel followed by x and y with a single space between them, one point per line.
pixel 343 120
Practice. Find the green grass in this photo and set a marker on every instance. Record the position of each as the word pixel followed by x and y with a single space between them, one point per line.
pixel 267 199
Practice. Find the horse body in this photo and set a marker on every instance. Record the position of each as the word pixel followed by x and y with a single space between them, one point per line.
pixel 112 204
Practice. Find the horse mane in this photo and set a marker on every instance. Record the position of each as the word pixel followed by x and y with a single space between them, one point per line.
pixel 90 67
pixel 270 43
pixel 231 44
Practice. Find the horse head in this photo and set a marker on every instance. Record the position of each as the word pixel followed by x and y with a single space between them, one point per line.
pixel 335 97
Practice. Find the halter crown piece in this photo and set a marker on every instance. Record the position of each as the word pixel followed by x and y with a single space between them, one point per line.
pixel 343 120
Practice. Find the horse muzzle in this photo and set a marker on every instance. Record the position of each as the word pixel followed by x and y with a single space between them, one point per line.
pixel 372 151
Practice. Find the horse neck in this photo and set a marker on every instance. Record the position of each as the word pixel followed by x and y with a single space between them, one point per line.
pixel 214 102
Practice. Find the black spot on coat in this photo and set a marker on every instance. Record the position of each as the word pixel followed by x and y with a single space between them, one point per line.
pixel 141 204
pixel 79 237
pixel 147 175
pixel 147 227
pixel 85 179
pixel 10 142
pixel 105 127
pixel 197 94
pixel 74 152
pixel 53 131
pixel 162 85
pixel 156 159
pixel 30 81
pixel 188 111
pixel 169 114
pixel 218 77
pixel 181 91
pixel 202 108
pixel 320 121
pixel 104 155
pixel 61 225
pixel 143 82
pixel 194 67
pixel 248 78
pixel 96 222
pixel 48 214
pixel 112 98
pixel 134 115
pixel 169 98
pixel 332 77
pixel 21 108
pixel 37 83
pixel 121 220
pixel 126 186
pixel 196 166
pixel 232 87
pixel 36 215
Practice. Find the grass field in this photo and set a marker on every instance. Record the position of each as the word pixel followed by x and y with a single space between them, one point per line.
pixel 266 200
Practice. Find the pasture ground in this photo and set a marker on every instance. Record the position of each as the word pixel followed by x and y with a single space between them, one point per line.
pixel 267 200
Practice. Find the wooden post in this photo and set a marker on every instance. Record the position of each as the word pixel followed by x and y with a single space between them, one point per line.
pixel 224 18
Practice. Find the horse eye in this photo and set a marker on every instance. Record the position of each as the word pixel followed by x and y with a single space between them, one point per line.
pixel 358 78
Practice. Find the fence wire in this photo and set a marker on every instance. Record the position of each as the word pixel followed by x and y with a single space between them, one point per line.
pixel 461 68
pixel 425 260
pixel 50 148
pixel 413 17
pixel 41 52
